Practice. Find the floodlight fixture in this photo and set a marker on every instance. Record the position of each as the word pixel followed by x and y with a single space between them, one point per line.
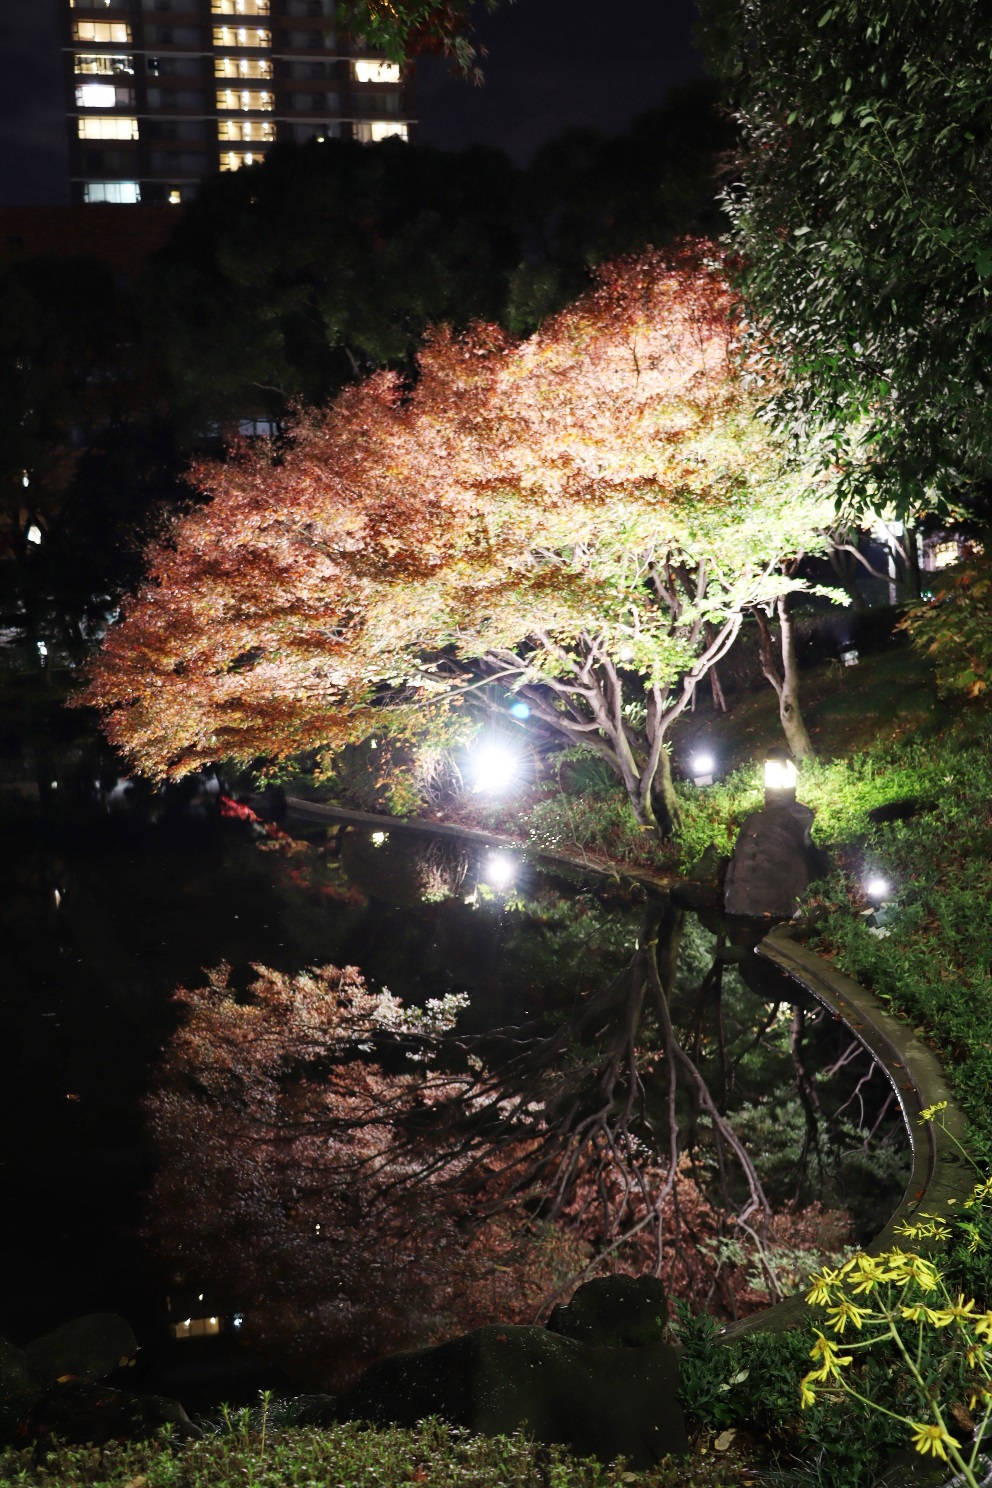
pixel 494 767
pixel 702 767
pixel 780 777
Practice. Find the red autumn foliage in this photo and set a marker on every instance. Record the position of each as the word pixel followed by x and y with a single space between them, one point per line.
pixel 587 515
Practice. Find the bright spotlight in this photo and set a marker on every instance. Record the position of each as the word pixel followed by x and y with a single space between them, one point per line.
pixel 494 767
pixel 378 838
pixel 498 871
pixel 701 767
pixel 780 774
pixel 878 889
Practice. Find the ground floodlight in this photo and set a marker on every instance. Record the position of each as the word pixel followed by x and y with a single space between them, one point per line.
pixel 780 776
pixel 702 766
pixel 877 890
pixel 494 767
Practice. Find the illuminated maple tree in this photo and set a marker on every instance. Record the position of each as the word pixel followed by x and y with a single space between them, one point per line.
pixel 586 515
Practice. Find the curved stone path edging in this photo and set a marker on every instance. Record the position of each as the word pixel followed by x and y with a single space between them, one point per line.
pixel 939 1174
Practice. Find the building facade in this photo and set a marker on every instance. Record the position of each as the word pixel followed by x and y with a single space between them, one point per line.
pixel 161 93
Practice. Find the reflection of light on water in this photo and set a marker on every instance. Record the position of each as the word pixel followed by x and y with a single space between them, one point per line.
pixel 498 871
pixel 378 838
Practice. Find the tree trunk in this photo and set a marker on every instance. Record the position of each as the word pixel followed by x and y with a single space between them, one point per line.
pixel 786 682
pixel 664 801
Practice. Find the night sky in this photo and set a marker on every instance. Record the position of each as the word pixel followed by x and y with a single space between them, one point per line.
pixel 552 64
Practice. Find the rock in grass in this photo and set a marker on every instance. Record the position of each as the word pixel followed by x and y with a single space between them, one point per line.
pixel 82 1411
pixel 615 1312
pixel 92 1345
pixel 597 1402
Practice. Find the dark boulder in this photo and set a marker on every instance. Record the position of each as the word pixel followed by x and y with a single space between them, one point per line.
pixel 82 1411
pixel 598 1402
pixel 93 1345
pixel 18 1389
pixel 615 1312
pixel 774 862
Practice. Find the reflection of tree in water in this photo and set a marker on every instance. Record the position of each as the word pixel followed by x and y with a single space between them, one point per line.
pixel 367 1178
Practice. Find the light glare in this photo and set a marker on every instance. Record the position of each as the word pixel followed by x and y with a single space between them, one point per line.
pixel 498 871
pixel 494 767
pixel 780 774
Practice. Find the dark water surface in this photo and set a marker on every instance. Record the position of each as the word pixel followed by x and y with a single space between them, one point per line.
pixel 111 903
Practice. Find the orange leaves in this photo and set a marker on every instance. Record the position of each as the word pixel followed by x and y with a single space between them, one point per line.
pixel 511 491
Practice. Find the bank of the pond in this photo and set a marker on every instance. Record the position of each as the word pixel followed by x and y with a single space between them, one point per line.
pixel 317 811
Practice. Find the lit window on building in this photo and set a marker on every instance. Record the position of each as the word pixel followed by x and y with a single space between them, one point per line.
pixel 120 193
pixel 239 7
pixel 943 555
pixel 242 67
pixel 245 98
pixel 232 160
pixel 376 72
pixel 101 64
pixel 112 129
pixel 96 95
pixel 262 131
pixel 116 31
pixel 374 130
pixel 103 96
pixel 258 428
pixel 242 36
pixel 90 4
pixel 196 1327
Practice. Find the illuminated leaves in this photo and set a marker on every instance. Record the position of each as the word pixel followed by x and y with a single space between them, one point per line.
pixel 570 510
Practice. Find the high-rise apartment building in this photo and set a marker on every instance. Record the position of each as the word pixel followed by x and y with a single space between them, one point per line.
pixel 164 92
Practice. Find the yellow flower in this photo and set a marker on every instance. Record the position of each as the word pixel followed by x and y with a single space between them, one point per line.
pixel 807 1395
pixel 820 1292
pixel 930 1111
pixel 825 1349
pixel 962 1311
pixel 927 1226
pixel 903 1268
pixel 979 1192
pixel 982 1325
pixel 931 1439
pixel 939 1317
pixel 846 1312
pixel 869 1271
pixel 974 1236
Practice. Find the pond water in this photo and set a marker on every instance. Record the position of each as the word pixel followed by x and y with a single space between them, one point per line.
pixel 311 1177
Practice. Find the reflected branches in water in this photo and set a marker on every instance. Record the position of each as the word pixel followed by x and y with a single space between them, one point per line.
pixel 368 1177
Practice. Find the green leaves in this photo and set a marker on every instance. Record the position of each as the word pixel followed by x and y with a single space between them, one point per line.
pixel 867 129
